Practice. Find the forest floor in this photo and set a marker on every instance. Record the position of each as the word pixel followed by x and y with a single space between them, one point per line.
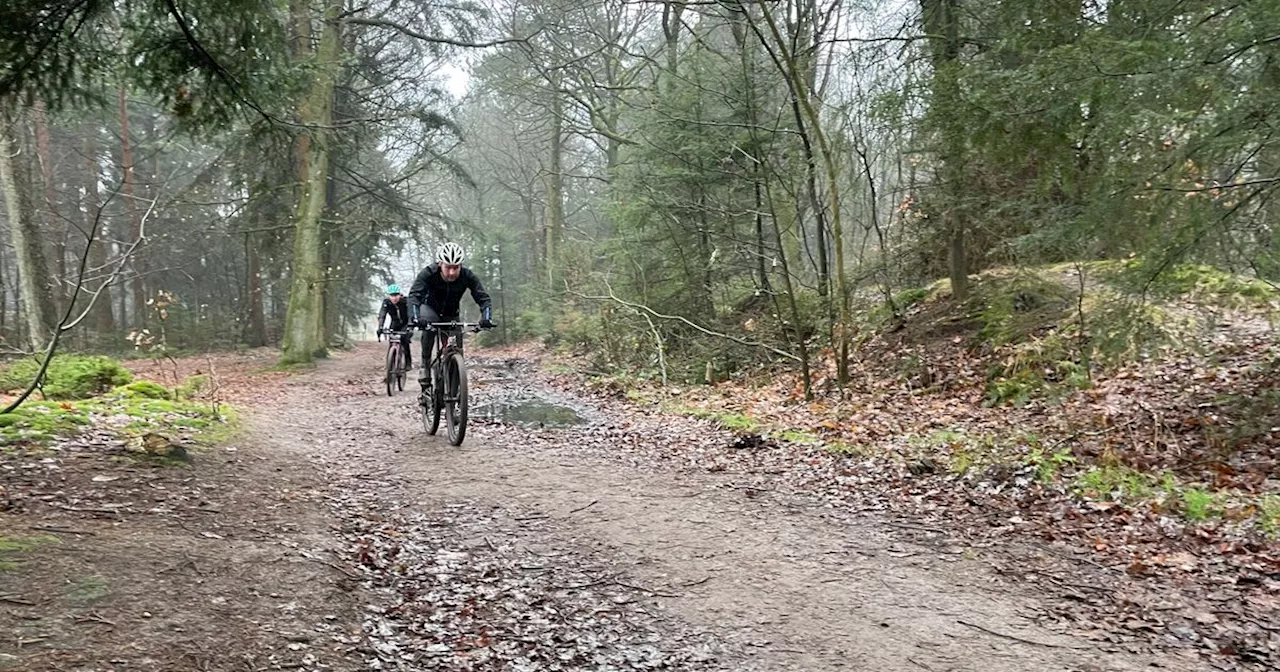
pixel 571 531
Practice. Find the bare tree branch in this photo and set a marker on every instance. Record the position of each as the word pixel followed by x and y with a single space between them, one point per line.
pixel 432 39
pixel 67 323
pixel 679 318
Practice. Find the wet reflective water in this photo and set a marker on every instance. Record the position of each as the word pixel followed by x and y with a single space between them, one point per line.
pixel 531 412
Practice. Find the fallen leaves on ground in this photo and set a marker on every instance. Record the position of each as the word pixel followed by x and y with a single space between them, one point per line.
pixel 450 597
pixel 1126 571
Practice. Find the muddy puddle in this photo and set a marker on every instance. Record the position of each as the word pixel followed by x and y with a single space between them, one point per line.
pixel 529 412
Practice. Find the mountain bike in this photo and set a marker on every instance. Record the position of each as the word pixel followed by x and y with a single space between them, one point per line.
pixel 397 359
pixel 447 394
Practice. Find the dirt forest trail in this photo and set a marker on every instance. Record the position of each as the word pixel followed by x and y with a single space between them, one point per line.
pixel 734 576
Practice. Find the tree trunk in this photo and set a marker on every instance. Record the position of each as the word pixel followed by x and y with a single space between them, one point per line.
pixel 703 299
pixel 45 157
pixel 4 299
pixel 1269 157
pixel 532 246
pixel 256 335
pixel 808 73
pixel 804 96
pixel 746 54
pixel 797 320
pixel 24 234
pixel 502 290
pixel 761 266
pixel 555 191
pixel 304 322
pixel 941 18
pixel 103 321
pixel 672 17
pixel 137 288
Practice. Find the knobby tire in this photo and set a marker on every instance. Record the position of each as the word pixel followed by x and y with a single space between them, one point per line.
pixel 392 354
pixel 431 409
pixel 455 378
pixel 403 371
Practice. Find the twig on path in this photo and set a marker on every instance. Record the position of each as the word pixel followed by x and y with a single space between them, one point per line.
pixel 1082 586
pixel 699 582
pixel 545 555
pixel 94 617
pixel 918 528
pixel 91 509
pixel 1080 434
pixel 14 599
pixel 536 516
pixel 583 508
pixel 592 584
pixel 645 590
pixel 179 565
pixel 348 573
pixel 752 488
pixel 660 495
pixel 63 530
pixel 1014 638
pixel 918 664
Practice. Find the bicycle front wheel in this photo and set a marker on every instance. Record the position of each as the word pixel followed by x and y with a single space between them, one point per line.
pixel 392 355
pixel 430 405
pixel 455 401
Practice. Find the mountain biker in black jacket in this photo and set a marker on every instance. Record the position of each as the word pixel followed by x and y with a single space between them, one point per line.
pixel 436 296
pixel 396 307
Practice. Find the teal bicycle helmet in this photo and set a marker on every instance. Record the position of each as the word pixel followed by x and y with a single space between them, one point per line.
pixel 393 289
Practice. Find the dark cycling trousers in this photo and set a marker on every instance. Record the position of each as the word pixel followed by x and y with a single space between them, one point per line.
pixel 429 338
pixel 406 344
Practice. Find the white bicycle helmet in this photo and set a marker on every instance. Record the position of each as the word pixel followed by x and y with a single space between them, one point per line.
pixel 450 253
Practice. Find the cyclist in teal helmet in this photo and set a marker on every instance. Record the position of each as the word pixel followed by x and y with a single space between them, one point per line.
pixel 395 307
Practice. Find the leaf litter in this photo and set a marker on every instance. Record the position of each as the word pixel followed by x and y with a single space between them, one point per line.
pixel 454 590
pixel 1129 573
pixel 450 596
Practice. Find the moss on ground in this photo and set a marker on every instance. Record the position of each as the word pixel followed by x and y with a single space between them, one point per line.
pixel 68 376
pixel 144 389
pixel 732 421
pixel 148 406
pixel 12 548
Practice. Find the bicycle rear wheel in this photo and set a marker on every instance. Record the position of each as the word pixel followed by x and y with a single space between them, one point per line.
pixel 455 400
pixel 393 353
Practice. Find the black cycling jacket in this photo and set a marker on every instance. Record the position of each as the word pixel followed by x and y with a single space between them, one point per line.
pixel 445 298
pixel 399 313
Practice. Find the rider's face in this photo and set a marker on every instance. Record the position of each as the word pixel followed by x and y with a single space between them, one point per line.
pixel 395 298
pixel 450 272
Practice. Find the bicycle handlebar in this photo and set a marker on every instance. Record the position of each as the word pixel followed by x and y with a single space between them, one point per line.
pixel 473 326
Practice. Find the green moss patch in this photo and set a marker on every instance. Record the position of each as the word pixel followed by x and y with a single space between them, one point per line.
pixel 129 411
pixel 144 389
pixel 68 376
pixel 37 422
pixel 12 548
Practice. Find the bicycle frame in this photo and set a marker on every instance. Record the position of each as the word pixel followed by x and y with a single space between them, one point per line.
pixel 397 357
pixel 394 339
pixel 449 337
